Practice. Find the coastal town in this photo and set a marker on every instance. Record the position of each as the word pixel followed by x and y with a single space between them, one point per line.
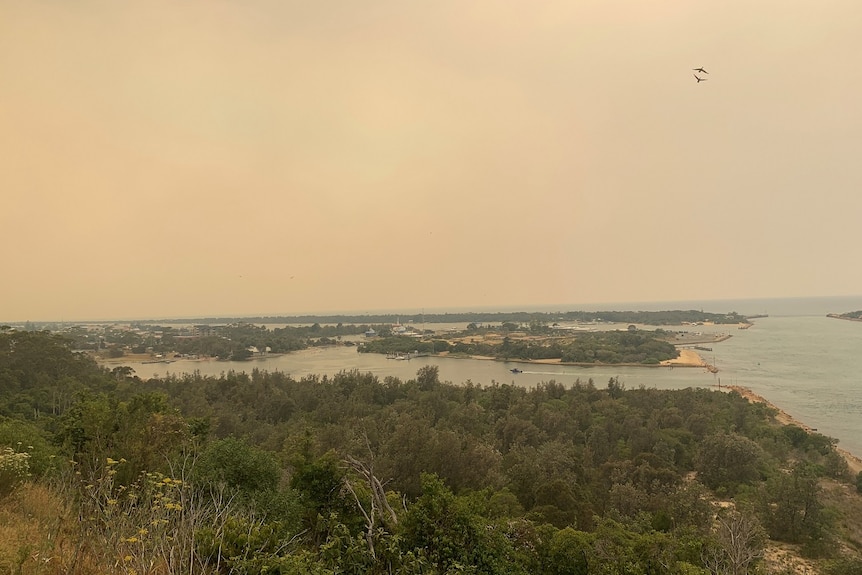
pixel 589 339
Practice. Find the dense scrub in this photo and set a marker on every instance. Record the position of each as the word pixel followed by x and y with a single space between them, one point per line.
pixel 253 473
pixel 610 347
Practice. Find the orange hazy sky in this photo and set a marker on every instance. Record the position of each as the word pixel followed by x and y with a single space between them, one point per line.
pixel 227 157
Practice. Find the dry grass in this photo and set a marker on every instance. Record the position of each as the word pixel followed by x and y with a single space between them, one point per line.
pixel 784 558
pixel 847 506
pixel 34 527
pixel 846 503
pixel 41 533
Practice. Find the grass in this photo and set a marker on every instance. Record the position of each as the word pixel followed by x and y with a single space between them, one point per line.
pixel 847 506
pixel 34 529
pixel 41 533
pixel 148 532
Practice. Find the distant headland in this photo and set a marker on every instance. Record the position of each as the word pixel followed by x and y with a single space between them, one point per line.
pixel 850 315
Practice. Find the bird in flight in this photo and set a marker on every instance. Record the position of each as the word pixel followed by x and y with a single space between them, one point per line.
pixel 701 70
pixel 699 79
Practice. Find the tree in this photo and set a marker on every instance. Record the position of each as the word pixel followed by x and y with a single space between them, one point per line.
pixel 567 553
pixel 835 466
pixel 615 388
pixel 87 429
pixel 148 433
pixel 238 466
pixel 791 507
pixel 450 535
pixel 377 507
pixel 241 354
pixel 727 460
pixel 319 482
pixel 556 503
pixel 428 377
pixel 738 542
pixel 122 372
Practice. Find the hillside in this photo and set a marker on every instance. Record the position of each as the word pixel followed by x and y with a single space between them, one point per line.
pixel 247 473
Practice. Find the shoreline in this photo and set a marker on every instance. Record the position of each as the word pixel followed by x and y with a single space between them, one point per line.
pixel 688 359
pixel 784 418
pixel 839 316
pixel 141 359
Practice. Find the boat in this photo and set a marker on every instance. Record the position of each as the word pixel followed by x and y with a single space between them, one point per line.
pixel 516 370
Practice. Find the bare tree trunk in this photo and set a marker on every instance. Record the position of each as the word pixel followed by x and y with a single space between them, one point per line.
pixel 379 506
pixel 739 540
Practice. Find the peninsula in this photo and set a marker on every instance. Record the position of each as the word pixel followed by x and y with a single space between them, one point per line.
pixel 850 315
pixel 578 345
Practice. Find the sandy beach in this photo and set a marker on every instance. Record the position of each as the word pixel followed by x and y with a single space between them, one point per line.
pixel 855 463
pixel 687 358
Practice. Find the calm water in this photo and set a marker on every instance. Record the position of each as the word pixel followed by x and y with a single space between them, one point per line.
pixel 797 358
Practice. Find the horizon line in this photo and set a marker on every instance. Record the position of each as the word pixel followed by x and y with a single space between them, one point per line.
pixel 533 308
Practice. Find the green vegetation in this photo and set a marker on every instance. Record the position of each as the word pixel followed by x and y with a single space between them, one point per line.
pixel 240 340
pixel 609 347
pixel 262 473
pixel 231 341
pixel 855 315
pixel 672 317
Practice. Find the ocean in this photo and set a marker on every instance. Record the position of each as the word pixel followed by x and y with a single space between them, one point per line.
pixel 807 364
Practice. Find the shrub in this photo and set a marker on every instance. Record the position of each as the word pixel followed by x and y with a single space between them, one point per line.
pixel 14 469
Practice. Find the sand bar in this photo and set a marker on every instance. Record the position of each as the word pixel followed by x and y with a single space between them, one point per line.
pixel 687 358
